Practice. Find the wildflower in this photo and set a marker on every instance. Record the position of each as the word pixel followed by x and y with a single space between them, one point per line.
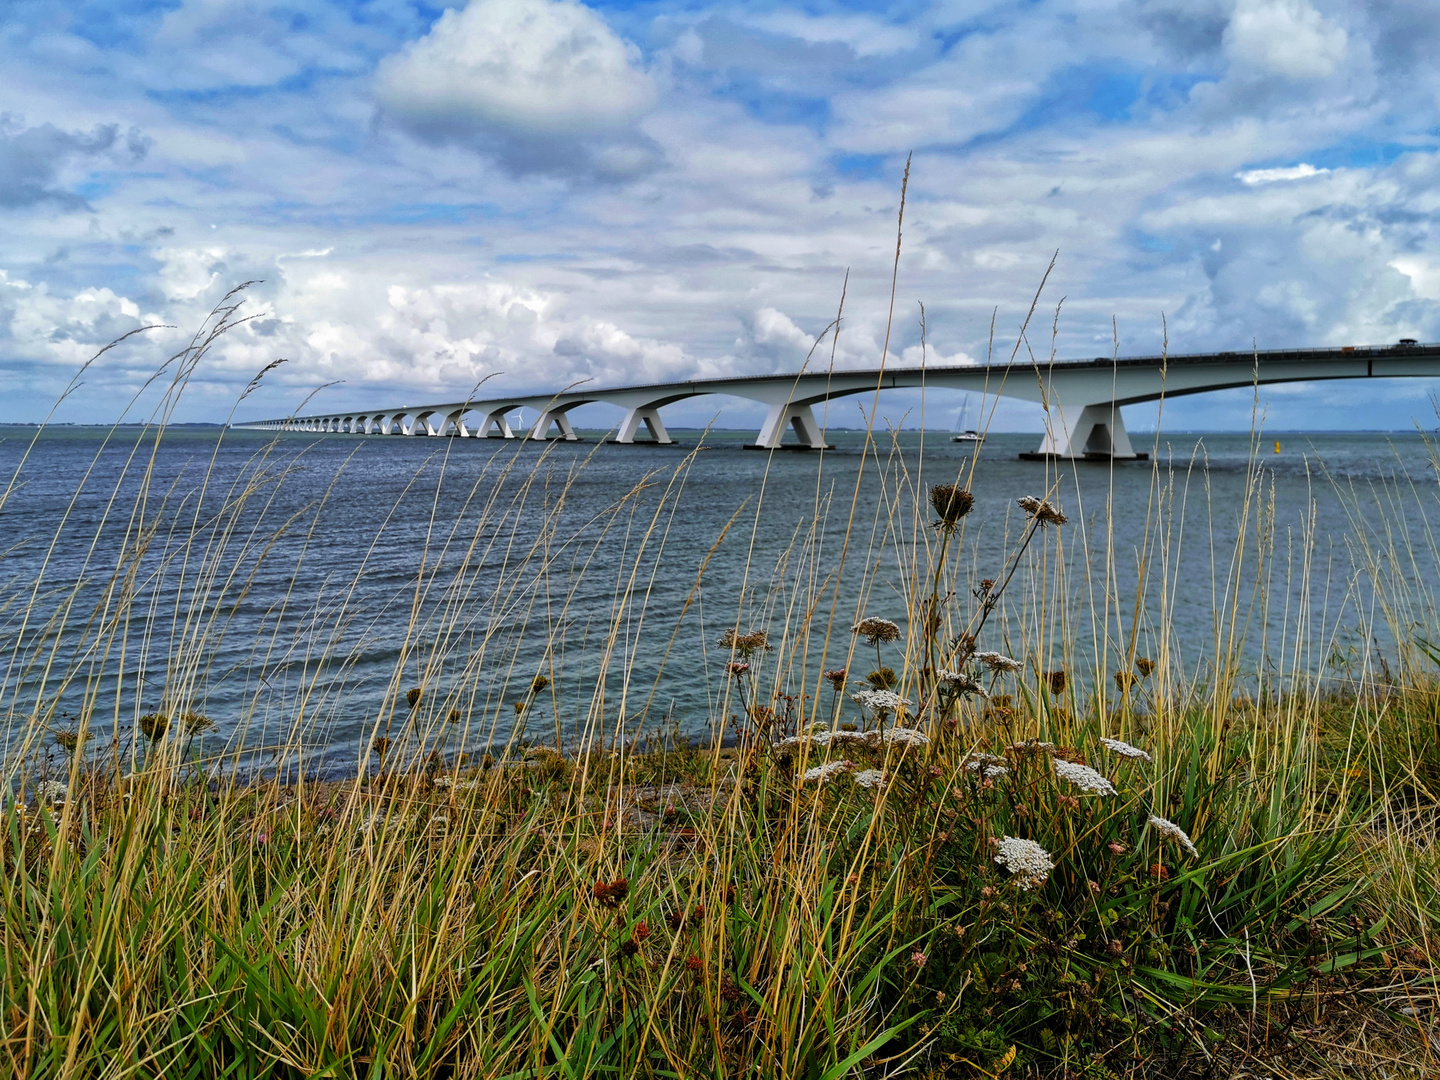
pixel 918 958
pixel 998 662
pixel 153 725
pixel 611 893
pixel 1124 749
pixel 1159 872
pixel 870 778
pixel 69 740
pixel 693 963
pixel 539 683
pixel 443 782
pixel 412 696
pixel 951 502
pixel 836 679
pixel 628 947
pixel 745 645
pixel 453 716
pixel 961 684
pixel 1026 860
pixel 1056 680
pixel 939 997
pixel 1144 665
pixel 1171 831
pixel 905 736
pixel 1031 746
pixel 1094 887
pixel 1043 513
pixel 883 678
pixel 195 723
pixel 51 790
pixel 827 772
pixel 380 744
pixel 1083 777
pixel 1116 848
pixel 738 668
pixel 642 931
pixel 879 701
pixel 875 630
pixel 988 769
pixel 1125 680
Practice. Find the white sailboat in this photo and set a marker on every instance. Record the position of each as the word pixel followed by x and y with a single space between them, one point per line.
pixel 964 433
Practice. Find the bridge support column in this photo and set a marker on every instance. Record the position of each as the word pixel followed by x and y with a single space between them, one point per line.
pixel 541 431
pixel 1085 431
pixel 498 421
pixel 648 416
pixel 799 417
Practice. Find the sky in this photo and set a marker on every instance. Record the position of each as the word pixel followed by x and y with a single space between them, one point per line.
pixel 543 192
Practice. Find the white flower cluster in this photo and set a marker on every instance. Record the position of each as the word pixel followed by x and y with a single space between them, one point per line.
pixel 880 700
pixel 904 736
pixel 1032 744
pixel 870 778
pixel 1124 749
pixel 51 790
pixel 961 683
pixel 1027 860
pixel 1083 777
pixel 827 772
pixel 998 662
pixel 1174 832
pixel 987 765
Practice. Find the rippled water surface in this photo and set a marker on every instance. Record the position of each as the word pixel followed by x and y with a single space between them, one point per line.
pixel 304 583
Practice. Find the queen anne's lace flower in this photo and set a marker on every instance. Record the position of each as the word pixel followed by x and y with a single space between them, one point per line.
pixel 51 790
pixel 987 771
pixel 1026 860
pixel 902 736
pixel 827 772
pixel 1034 745
pixel 1124 749
pixel 880 700
pixel 1083 777
pixel 965 685
pixel 870 778
pixel 875 630
pixel 998 662
pixel 1171 831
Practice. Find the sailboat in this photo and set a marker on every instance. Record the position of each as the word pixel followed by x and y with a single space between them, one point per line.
pixel 963 433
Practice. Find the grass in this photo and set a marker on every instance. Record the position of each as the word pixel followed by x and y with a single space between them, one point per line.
pixel 842 892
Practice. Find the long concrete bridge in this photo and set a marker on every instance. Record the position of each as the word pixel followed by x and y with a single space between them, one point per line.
pixel 1082 398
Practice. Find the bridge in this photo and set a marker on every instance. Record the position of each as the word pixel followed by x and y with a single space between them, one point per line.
pixel 1082 399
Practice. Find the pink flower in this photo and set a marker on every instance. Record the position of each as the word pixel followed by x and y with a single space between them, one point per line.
pixel 918 959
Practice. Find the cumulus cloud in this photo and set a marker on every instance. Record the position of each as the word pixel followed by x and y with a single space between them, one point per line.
pixel 1286 37
pixel 542 86
pixel 32 159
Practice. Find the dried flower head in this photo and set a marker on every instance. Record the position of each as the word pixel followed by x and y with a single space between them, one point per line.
pixel 1125 680
pixel 951 502
pixel 539 683
pixel 883 678
pixel 1041 511
pixel 1031 746
pixel 1026 860
pixel 836 678
pixel 738 668
pixel 153 725
pixel 1124 749
pixel 693 963
pixel 412 696
pixel 453 716
pixel 194 722
pixel 1056 680
pixel 961 684
pixel 876 630
pixel 1083 777
pixel 1171 831
pixel 611 894
pixel 745 645
pixel 998 662
pixel 1144 665
pixel 380 744
pixel 642 931
pixel 69 739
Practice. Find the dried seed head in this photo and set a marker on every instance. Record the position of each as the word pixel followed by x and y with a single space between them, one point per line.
pixel 876 630
pixel 745 645
pixel 1056 680
pixel 412 696
pixel 1144 665
pixel 836 679
pixel 951 502
pixel 153 725
pixel 1041 511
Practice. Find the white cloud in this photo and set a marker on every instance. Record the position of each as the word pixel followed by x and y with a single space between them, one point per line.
pixel 1286 37
pixel 1424 274
pixel 1271 176
pixel 541 85
pixel 864 36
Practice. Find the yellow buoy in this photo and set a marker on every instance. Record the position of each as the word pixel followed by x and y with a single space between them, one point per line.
pixel 1277 446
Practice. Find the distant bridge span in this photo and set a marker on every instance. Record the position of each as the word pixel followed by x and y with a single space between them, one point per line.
pixel 1082 398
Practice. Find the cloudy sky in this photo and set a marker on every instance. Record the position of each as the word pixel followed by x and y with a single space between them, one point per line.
pixel 545 191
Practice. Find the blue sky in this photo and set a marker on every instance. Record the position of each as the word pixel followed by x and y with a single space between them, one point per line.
pixel 546 192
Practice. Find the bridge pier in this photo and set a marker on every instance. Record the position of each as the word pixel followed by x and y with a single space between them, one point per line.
pixel 650 417
pixel 498 421
pixel 540 432
pixel 1081 432
pixel 799 417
